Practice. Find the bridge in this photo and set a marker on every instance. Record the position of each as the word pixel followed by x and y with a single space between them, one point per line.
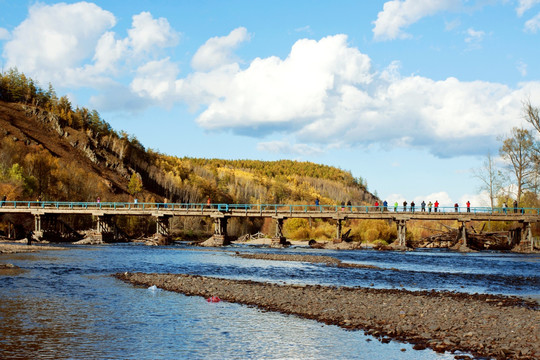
pixel 46 215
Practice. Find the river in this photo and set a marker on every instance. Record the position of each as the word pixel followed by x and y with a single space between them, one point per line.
pixel 65 305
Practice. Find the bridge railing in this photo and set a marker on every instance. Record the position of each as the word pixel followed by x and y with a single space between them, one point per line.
pixel 277 208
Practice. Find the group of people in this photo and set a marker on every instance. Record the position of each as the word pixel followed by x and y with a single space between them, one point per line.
pixel 412 206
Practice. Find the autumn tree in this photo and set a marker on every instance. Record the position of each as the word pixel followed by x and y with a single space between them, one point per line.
pixel 519 151
pixel 135 185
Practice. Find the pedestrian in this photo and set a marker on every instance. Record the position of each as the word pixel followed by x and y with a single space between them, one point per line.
pixel 349 205
pixel 515 206
pixel 429 205
pixel 468 206
pixel 3 200
pixel 343 206
pixel 98 200
pixel 404 206
pixel 423 204
pixel 208 202
pixel 376 205
pixel 395 206
pixel 385 205
pixel 436 205
pixel 412 206
pixel 456 207
pixel 505 208
pixel 316 202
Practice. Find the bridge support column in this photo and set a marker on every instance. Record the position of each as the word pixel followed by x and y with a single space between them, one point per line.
pixel 47 227
pixel 462 240
pixel 525 239
pixel 338 231
pixel 279 240
pixel 401 241
pixel 106 228
pixel 220 237
pixel 162 235
pixel 162 225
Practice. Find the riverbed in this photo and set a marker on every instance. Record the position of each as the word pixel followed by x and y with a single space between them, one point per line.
pixel 65 304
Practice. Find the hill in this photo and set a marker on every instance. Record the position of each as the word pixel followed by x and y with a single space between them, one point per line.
pixel 50 149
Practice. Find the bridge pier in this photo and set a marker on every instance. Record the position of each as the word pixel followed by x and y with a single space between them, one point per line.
pixel 220 237
pixel 106 228
pixel 45 226
pixel 50 227
pixel 462 239
pixel 401 241
pixel 339 227
pixel 162 235
pixel 525 238
pixel 278 239
pixel 162 225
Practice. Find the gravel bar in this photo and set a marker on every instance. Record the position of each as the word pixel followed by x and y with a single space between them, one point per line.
pixel 483 325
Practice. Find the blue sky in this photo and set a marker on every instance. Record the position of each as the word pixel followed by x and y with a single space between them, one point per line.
pixel 410 95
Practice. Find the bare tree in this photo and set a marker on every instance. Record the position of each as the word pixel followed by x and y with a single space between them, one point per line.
pixel 519 150
pixel 531 114
pixel 490 177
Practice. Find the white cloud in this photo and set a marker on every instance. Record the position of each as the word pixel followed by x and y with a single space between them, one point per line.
pixel 4 34
pixel 476 200
pixel 74 45
pixel 533 25
pixel 474 36
pixel 399 14
pixel 285 147
pixel 156 79
pixel 272 91
pixel 326 95
pixel 148 34
pixel 56 36
pixel 524 5
pixel 218 51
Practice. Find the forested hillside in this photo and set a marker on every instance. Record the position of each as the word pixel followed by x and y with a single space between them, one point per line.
pixel 51 149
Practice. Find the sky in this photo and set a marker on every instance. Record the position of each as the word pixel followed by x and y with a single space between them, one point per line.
pixel 409 95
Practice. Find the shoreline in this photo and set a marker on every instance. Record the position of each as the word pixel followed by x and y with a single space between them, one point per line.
pixel 483 325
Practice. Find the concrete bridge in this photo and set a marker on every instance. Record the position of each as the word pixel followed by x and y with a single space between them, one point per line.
pixel 46 216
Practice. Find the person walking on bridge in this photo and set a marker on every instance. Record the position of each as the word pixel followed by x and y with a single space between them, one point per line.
pixel 395 206
pixel 429 205
pixel 468 206
pixel 456 207
pixel 412 206
pixel 405 206
pixel 515 206
pixel 436 205
pixel 423 204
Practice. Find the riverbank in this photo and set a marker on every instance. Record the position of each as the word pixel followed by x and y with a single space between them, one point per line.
pixel 483 325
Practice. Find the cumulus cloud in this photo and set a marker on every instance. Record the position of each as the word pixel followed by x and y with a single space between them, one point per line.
pixel 325 94
pixel 533 25
pixel 399 14
pixel 148 34
pixel 56 36
pixel 524 5
pixel 218 51
pixel 156 79
pixel 74 45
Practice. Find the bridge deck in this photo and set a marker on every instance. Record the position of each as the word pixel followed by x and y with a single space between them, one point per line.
pixel 268 210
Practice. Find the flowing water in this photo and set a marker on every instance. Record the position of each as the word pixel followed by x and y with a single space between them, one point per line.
pixel 65 305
